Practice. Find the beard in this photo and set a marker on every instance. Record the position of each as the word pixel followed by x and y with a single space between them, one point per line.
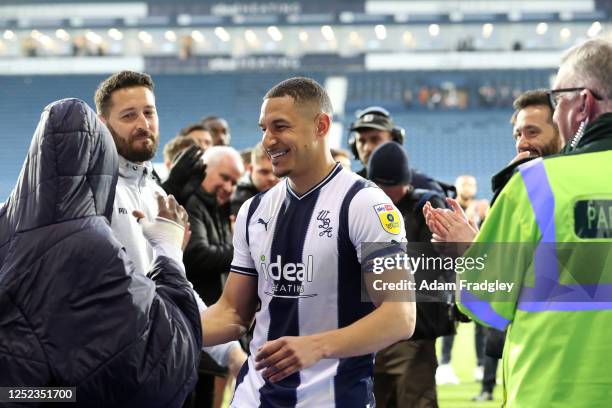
pixel 125 146
pixel 554 147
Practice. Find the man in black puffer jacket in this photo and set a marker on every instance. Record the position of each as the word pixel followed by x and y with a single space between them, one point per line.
pixel 72 310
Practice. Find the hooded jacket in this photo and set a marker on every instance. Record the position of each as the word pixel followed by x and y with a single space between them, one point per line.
pixel 72 310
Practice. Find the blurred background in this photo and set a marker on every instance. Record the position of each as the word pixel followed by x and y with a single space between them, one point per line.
pixel 447 70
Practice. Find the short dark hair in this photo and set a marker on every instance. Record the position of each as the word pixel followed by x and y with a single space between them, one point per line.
pixel 192 128
pixel 535 97
pixel 120 80
pixel 177 145
pixel 302 89
pixel 206 119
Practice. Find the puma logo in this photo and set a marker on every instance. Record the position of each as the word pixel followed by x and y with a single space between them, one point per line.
pixel 264 223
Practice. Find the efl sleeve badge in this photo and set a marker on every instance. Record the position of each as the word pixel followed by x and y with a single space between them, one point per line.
pixel 389 218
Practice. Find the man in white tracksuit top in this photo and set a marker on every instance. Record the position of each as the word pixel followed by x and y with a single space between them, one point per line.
pixel 126 104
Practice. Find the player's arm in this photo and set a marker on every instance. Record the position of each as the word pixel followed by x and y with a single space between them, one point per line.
pixel 389 323
pixel 231 316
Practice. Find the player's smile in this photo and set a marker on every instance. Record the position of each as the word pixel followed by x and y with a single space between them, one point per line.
pixel 274 155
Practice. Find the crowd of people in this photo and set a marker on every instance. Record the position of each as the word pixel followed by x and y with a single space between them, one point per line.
pixel 247 268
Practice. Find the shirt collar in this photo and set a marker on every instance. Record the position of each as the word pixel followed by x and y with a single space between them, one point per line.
pixel 337 169
pixel 135 171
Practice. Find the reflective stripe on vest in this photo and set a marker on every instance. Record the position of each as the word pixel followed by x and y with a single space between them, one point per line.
pixel 547 294
pixel 483 310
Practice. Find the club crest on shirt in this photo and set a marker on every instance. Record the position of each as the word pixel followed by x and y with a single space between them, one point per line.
pixel 388 217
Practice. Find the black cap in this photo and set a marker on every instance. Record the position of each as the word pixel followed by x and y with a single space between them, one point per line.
pixel 389 166
pixel 374 118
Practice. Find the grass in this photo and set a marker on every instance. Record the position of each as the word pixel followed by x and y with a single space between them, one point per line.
pixel 463 360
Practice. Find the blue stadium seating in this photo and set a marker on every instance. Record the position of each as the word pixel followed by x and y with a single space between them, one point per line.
pixel 442 142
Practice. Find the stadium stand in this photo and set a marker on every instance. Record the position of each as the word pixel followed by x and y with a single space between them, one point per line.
pixel 183 99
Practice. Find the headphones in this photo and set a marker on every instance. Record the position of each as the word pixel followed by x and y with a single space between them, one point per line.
pixel 398 134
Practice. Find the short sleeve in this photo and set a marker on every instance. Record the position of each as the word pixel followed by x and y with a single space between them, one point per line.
pixel 373 218
pixel 243 261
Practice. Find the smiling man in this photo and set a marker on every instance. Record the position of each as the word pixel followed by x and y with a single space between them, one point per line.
pixel 535 134
pixel 125 103
pixel 209 252
pixel 297 253
pixel 534 131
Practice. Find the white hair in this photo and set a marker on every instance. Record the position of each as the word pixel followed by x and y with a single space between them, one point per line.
pixel 591 65
pixel 213 155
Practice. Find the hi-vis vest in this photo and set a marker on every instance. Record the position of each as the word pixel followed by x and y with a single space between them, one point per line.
pixel 552 229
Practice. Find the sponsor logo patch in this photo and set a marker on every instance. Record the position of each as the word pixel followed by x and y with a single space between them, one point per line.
pixel 388 217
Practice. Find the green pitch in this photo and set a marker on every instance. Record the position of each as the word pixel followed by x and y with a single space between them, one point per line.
pixel 463 360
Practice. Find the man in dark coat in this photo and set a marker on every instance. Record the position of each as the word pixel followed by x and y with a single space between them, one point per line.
pixel 404 373
pixel 209 252
pixel 72 310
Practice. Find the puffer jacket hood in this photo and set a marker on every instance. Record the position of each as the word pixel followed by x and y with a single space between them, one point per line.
pixel 70 171
pixel 73 312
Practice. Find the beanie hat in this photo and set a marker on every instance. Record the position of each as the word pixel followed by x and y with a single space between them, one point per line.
pixel 388 165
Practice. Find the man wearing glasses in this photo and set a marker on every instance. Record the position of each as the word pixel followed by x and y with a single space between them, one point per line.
pixel 558 350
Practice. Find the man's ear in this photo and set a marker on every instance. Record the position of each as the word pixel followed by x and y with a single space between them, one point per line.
pixel 102 118
pixel 323 124
pixel 587 105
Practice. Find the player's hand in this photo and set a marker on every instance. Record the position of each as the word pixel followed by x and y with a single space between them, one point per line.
pixel 287 355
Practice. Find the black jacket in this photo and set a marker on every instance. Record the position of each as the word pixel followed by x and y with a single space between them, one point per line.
pixel 597 137
pixel 433 314
pixel 244 190
pixel 423 182
pixel 500 179
pixel 411 206
pixel 209 252
pixel 72 311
